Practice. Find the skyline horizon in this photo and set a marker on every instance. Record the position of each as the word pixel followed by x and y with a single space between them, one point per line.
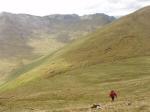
pixel 84 7
pixel 1 12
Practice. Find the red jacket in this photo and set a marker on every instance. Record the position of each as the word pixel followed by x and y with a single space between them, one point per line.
pixel 113 94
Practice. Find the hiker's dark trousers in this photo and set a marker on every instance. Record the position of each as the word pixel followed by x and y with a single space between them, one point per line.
pixel 113 98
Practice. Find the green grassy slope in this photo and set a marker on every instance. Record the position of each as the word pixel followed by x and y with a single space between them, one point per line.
pixel 127 37
pixel 80 88
pixel 84 72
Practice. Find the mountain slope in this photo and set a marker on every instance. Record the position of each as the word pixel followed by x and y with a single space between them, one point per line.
pixel 82 73
pixel 127 37
pixel 24 38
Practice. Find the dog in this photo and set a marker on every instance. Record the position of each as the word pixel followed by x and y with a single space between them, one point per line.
pixel 96 106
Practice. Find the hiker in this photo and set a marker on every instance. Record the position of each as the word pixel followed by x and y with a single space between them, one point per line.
pixel 113 95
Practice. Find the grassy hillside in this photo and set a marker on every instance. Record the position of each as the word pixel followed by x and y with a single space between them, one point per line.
pixel 77 89
pixel 83 73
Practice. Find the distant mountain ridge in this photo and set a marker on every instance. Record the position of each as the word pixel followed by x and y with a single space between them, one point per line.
pixel 17 29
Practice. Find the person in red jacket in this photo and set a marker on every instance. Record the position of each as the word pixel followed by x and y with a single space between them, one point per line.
pixel 113 95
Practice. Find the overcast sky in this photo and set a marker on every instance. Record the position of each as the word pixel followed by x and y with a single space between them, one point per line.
pixel 46 7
